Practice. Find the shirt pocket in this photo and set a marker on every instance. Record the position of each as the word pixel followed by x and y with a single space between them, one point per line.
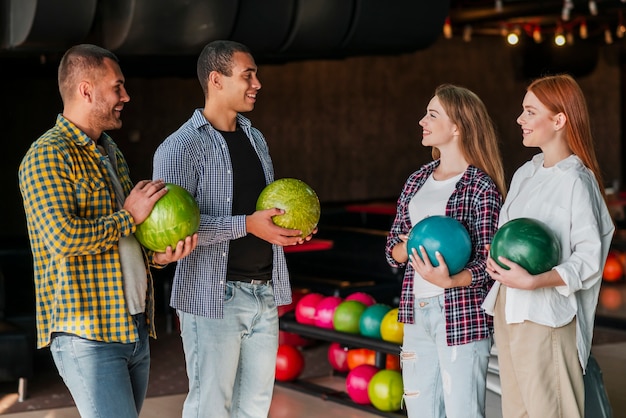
pixel 93 198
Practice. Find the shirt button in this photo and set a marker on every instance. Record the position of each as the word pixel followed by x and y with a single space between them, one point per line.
pixel 223 254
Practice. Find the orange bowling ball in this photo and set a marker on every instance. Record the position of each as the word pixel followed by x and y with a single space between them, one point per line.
pixel 610 298
pixel 359 356
pixel 613 268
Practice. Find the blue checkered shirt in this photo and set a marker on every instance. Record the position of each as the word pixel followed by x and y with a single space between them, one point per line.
pixel 196 157
pixel 476 203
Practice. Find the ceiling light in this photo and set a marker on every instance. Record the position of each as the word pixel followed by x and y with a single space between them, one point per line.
pixel 447 28
pixel 512 38
pixel 537 35
pixel 583 33
pixel 467 33
pixel 559 39
pixel 608 38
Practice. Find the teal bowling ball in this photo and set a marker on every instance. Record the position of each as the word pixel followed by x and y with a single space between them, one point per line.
pixel 527 242
pixel 443 234
pixel 371 319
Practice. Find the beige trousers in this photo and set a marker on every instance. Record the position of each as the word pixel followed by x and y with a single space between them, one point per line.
pixel 540 374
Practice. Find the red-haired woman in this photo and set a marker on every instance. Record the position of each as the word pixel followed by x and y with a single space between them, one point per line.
pixel 544 323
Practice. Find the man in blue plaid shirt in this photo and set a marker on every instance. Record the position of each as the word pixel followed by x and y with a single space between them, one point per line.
pixel 227 291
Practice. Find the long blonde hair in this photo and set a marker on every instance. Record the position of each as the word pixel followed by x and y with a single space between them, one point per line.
pixel 479 142
pixel 562 94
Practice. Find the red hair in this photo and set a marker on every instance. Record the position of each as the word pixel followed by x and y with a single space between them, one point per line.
pixel 562 94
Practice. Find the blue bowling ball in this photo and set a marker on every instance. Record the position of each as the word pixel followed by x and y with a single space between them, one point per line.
pixel 443 234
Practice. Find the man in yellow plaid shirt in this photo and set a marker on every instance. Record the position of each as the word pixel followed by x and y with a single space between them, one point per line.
pixel 94 295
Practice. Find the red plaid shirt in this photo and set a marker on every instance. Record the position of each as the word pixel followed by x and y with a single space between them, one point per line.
pixel 476 203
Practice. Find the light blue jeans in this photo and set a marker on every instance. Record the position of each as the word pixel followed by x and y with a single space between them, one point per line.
pixel 106 380
pixel 439 380
pixel 231 362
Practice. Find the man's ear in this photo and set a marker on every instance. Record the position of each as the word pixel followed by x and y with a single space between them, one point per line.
pixel 215 79
pixel 85 90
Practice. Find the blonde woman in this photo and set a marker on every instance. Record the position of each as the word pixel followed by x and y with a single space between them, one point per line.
pixel 447 335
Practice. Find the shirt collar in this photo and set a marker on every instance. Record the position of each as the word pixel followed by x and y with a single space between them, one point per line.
pixel 198 120
pixel 76 135
pixel 72 131
pixel 563 165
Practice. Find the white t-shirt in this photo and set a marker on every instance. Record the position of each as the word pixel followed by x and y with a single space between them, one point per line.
pixel 431 199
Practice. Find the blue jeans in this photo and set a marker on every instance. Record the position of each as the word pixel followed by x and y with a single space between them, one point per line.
pixel 439 380
pixel 106 380
pixel 231 362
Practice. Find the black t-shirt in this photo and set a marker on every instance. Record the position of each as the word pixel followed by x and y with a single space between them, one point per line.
pixel 249 257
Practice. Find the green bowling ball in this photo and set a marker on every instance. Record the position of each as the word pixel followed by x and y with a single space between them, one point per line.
pixel 527 242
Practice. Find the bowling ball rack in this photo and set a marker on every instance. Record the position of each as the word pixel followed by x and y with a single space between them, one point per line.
pixel 288 324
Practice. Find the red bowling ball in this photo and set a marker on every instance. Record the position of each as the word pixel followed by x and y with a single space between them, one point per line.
pixel 289 363
pixel 338 357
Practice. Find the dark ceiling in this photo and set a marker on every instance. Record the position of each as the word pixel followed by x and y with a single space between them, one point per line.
pixel 281 30
pixel 273 29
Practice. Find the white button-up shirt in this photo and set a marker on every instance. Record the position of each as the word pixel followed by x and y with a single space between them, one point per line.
pixel 567 198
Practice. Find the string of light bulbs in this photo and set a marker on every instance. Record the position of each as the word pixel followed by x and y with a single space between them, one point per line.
pixel 562 32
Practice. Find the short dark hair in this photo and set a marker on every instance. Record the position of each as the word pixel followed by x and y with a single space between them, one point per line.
pixel 218 56
pixel 77 60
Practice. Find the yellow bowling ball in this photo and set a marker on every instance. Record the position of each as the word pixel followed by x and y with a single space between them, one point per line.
pixel 390 329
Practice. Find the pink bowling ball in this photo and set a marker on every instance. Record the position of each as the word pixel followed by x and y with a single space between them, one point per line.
pixel 357 381
pixel 325 311
pixel 306 307
pixel 338 357
pixel 365 298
